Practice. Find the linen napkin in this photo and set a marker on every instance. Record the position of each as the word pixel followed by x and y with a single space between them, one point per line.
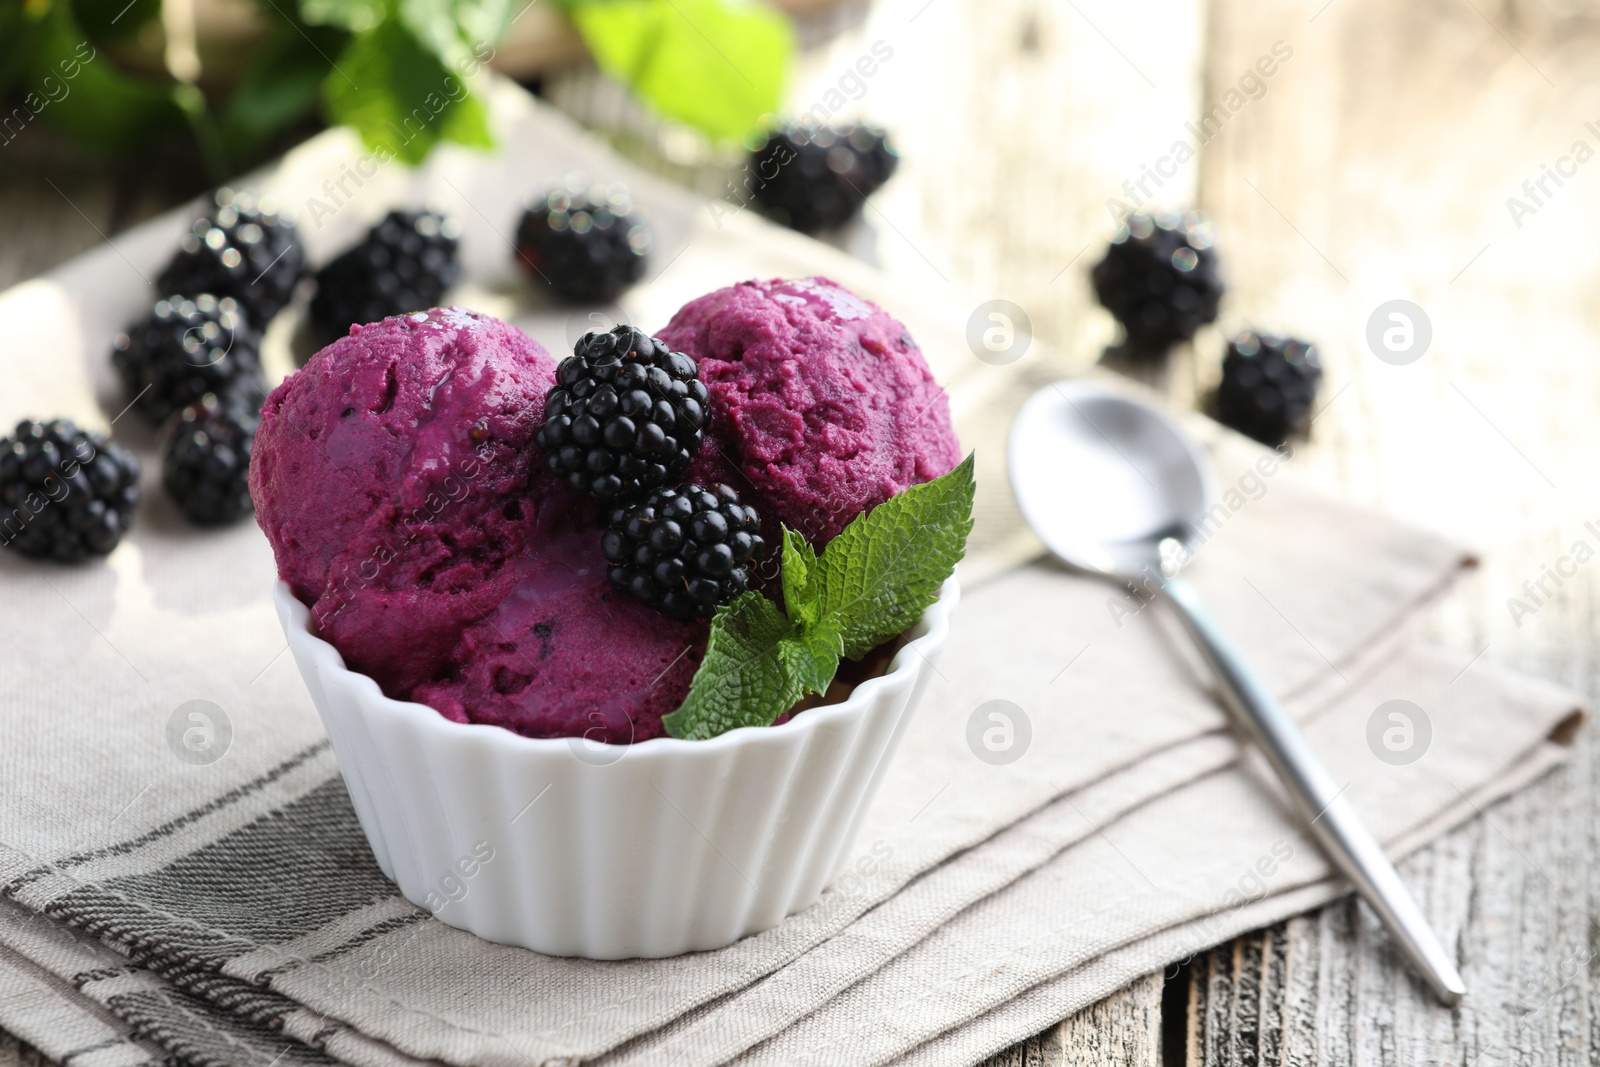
pixel 219 1037
pixel 229 910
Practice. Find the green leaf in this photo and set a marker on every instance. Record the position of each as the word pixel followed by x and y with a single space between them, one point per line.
pixel 483 22
pixel 741 674
pixel 112 20
pixel 454 30
pixel 400 97
pixel 800 590
pixel 357 16
pixel 76 87
pixel 21 35
pixel 279 87
pixel 433 24
pixel 718 65
pixel 872 582
pixel 811 661
pixel 468 124
pixel 881 573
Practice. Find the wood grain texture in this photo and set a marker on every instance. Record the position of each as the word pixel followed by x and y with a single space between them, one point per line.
pixel 1124 1029
pixel 14 1053
pixel 1516 887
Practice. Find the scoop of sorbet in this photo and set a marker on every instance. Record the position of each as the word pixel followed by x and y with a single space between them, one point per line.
pixel 397 481
pixel 822 405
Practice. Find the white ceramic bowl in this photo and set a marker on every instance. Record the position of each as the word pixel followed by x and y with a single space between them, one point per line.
pixel 611 851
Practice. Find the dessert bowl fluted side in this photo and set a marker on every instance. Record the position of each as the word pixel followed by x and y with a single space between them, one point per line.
pixel 611 851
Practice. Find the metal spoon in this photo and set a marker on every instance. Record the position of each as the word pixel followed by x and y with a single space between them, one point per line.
pixel 1116 488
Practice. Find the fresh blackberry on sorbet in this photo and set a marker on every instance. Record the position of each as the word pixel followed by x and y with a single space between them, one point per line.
pixel 626 415
pixel 586 244
pixel 405 263
pixel 65 494
pixel 817 179
pixel 683 551
pixel 185 348
pixel 1269 384
pixel 205 460
pixel 244 249
pixel 1161 279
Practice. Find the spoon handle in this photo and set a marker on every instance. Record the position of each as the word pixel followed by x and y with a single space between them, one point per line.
pixel 1321 802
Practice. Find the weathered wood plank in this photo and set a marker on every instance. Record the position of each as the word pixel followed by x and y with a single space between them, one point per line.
pixel 56 203
pixel 14 1053
pixel 1123 1030
pixel 1345 998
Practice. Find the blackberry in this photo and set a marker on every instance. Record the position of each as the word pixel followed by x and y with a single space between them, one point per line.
pixel 683 551
pixel 1268 386
pixel 188 347
pixel 205 460
pixel 405 263
pixel 243 249
pixel 813 180
pixel 587 245
pixel 626 415
pixel 1161 279
pixel 65 493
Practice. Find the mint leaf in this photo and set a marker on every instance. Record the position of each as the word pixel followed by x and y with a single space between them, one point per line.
pixel 742 672
pixel 717 65
pixel 871 582
pixel 400 97
pixel 811 661
pixel 881 573
pixel 800 589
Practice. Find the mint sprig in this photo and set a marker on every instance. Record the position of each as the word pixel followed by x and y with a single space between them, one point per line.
pixel 870 583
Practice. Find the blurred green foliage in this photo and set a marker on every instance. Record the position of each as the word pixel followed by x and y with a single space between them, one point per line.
pixel 397 71
pixel 61 70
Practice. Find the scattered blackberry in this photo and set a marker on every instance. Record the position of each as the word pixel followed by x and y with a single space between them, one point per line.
pixel 588 245
pixel 1268 386
pixel 813 180
pixel 1161 279
pixel 205 460
pixel 683 551
pixel 626 415
pixel 405 263
pixel 65 493
pixel 186 348
pixel 243 249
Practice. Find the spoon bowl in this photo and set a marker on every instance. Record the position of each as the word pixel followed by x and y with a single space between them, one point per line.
pixel 1104 480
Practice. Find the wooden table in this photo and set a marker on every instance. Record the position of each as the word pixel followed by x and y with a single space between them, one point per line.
pixel 1376 164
